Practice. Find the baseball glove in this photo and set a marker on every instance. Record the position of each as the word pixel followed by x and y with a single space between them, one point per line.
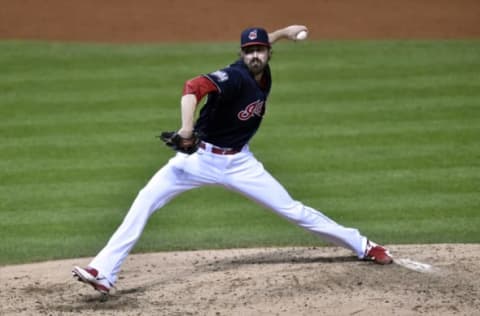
pixel 180 144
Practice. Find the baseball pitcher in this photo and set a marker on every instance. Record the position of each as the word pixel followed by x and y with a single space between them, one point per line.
pixel 214 150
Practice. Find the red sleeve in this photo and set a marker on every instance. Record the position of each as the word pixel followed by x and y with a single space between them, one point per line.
pixel 199 86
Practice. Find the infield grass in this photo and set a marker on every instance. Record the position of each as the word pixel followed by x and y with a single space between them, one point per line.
pixel 382 136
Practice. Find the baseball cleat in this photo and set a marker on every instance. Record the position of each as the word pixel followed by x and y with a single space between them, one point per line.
pixel 92 277
pixel 377 253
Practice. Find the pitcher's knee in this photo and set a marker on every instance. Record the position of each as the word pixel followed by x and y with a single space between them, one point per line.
pixel 304 215
pixel 294 211
pixel 145 194
pixel 146 197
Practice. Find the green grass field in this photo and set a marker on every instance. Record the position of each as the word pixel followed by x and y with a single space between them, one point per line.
pixel 382 136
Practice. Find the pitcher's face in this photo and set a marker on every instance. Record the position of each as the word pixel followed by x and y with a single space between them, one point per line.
pixel 256 58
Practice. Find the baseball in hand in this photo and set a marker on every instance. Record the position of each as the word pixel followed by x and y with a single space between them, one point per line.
pixel 301 35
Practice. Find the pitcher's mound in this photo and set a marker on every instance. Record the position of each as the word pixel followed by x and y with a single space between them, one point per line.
pixel 427 280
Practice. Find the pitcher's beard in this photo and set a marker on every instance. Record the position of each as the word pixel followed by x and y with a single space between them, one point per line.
pixel 256 66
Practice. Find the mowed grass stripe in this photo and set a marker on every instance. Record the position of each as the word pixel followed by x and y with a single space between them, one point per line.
pixel 349 156
pixel 45 132
pixel 79 110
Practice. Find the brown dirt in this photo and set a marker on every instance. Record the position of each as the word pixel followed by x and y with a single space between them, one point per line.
pixel 287 281
pixel 179 20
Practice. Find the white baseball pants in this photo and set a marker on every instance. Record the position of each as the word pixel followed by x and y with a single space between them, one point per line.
pixel 240 172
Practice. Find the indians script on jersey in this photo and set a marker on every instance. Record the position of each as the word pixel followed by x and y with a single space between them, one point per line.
pixel 254 108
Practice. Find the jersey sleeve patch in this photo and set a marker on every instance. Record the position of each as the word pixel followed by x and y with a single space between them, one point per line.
pixel 220 75
pixel 227 81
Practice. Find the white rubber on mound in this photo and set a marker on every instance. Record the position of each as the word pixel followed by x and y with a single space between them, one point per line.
pixel 415 265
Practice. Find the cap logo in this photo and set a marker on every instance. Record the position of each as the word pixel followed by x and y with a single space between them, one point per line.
pixel 252 35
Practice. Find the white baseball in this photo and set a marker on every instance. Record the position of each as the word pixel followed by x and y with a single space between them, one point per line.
pixel 301 35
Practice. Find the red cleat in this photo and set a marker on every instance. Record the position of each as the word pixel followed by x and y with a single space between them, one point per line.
pixel 377 253
pixel 91 276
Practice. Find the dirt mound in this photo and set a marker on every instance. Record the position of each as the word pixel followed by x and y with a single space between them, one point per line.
pixel 441 280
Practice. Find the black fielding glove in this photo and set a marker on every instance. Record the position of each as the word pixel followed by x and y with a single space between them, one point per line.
pixel 180 144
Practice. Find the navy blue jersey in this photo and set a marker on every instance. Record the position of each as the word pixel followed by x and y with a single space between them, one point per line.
pixel 231 116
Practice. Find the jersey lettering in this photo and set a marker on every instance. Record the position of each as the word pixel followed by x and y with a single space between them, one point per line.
pixel 254 108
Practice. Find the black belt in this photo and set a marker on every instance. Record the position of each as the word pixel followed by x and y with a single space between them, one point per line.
pixel 220 151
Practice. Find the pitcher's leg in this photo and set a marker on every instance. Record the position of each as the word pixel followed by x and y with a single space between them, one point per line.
pixel 257 184
pixel 161 188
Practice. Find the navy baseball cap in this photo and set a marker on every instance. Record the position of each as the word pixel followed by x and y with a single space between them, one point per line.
pixel 254 36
